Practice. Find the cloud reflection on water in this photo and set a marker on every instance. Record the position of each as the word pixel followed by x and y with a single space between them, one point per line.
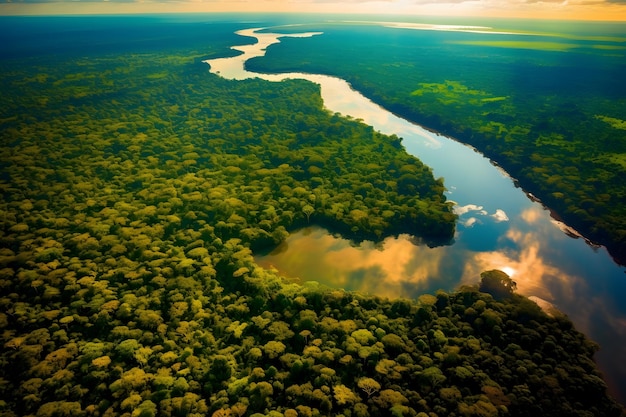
pixel 399 268
pixel 586 287
pixel 498 217
pixel 534 276
pixel 527 254
pixel 394 268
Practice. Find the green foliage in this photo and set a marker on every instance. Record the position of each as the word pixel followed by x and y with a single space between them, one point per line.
pixel 549 110
pixel 130 212
pixel 497 283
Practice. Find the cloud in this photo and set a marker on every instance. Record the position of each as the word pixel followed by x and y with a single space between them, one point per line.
pixel 65 1
pixel 534 274
pixel 470 222
pixel 393 268
pixel 500 216
pixel 556 9
pixel 461 210
pixel 531 215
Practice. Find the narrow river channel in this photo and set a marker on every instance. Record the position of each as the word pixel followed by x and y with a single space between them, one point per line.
pixel 499 227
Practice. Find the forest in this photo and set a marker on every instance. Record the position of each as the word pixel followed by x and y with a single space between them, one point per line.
pixel 548 108
pixel 135 188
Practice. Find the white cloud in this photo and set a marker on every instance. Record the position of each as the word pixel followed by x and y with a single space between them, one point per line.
pixel 470 222
pixel 500 216
pixel 461 210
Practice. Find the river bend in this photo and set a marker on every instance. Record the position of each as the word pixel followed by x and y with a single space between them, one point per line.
pixel 499 227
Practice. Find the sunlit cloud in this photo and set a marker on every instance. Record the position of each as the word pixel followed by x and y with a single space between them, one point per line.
pixel 510 271
pixel 546 306
pixel 470 222
pixel 476 210
pixel 531 215
pixel 394 268
pixel 552 9
pixel 387 271
pixel 533 275
pixel 500 216
pixel 461 210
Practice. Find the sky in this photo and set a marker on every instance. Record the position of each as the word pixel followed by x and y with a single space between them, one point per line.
pixel 543 9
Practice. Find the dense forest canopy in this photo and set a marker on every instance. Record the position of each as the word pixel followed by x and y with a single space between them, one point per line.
pixel 135 186
pixel 548 107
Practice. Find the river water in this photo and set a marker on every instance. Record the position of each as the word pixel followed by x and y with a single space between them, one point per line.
pixel 499 227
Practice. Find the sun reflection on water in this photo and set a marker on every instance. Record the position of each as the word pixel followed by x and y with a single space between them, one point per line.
pixel 394 268
pixel 526 251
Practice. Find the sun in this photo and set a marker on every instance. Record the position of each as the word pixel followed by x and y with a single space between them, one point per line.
pixel 510 271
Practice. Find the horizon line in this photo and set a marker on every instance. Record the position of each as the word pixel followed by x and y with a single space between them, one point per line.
pixel 47 9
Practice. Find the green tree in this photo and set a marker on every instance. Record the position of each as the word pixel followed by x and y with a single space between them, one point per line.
pixel 308 210
pixel 368 385
pixel 274 349
pixel 220 370
pixel 497 283
pixel 344 395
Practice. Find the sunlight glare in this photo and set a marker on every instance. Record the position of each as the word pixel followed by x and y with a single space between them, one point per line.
pixel 510 271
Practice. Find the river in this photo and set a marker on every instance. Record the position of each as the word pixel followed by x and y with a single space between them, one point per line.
pixel 499 227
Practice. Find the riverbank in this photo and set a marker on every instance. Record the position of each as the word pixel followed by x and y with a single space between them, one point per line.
pixel 542 115
pixel 558 210
pixel 547 263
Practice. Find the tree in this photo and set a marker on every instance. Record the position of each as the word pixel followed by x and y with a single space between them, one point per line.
pixel 363 337
pixel 344 395
pixel 145 409
pixel 59 408
pixel 432 376
pixel 394 343
pixel 260 394
pixel 479 408
pixel 127 348
pixel 308 210
pixel 389 398
pixel 497 283
pixel 305 334
pixel 274 349
pixel 280 330
pixel 101 362
pixel 368 385
pixel 220 369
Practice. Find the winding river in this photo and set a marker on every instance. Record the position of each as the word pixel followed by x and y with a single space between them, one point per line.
pixel 499 227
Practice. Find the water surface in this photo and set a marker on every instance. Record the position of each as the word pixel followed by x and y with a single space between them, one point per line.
pixel 499 227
